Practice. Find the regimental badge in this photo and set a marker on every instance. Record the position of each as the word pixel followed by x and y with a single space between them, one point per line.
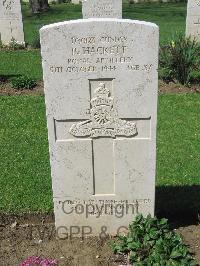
pixel 103 121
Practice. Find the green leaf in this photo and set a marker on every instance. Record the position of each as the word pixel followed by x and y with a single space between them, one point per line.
pixel 134 245
pixel 153 233
pixel 176 254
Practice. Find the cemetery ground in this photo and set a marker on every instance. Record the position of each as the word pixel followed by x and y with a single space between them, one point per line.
pixel 26 220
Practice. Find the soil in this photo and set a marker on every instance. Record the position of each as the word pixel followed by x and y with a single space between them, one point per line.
pixel 34 235
pixel 21 237
pixel 6 89
pixel 177 88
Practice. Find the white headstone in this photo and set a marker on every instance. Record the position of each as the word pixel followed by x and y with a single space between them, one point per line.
pixel 11 26
pixel 193 19
pixel 76 2
pixel 102 9
pixel 101 81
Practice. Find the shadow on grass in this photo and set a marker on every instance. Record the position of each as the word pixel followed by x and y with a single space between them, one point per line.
pixel 179 204
pixel 4 78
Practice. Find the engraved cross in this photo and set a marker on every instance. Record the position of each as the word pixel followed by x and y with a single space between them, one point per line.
pixel 104 126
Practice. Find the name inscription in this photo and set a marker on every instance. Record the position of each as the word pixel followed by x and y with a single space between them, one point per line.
pixel 103 53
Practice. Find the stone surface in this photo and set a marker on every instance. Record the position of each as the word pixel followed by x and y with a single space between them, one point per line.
pixel 100 78
pixel 193 19
pixel 76 2
pixel 102 9
pixel 11 26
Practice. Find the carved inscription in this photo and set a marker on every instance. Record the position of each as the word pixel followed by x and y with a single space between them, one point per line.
pixel 7 4
pixel 104 121
pixel 9 10
pixel 104 53
pixel 197 22
pixel 198 2
pixel 101 9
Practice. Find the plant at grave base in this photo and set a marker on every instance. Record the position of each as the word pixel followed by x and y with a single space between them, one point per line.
pixel 195 77
pixel 23 82
pixel 150 242
pixel 3 78
pixel 34 261
pixel 3 46
pixel 14 45
pixel 179 59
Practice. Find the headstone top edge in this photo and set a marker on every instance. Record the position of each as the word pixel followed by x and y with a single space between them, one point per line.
pixel 89 20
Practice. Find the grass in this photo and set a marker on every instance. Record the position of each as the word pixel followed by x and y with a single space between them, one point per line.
pixel 15 63
pixel 25 182
pixel 25 172
pixel 170 18
pixel 174 14
pixel 57 13
pixel 179 139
